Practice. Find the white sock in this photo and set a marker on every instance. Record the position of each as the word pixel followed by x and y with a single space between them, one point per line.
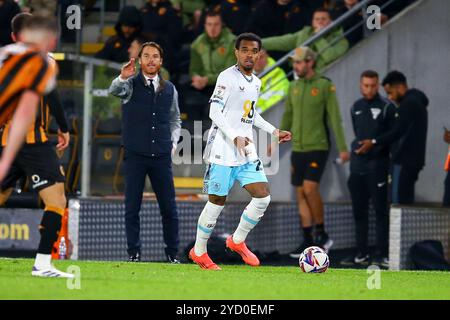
pixel 206 223
pixel 250 218
pixel 42 261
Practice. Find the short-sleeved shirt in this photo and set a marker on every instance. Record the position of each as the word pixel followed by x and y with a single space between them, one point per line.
pixel 22 68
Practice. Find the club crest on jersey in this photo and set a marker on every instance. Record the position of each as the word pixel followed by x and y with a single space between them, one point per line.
pixel 375 113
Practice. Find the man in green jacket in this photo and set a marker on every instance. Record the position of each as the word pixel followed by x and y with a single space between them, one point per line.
pixel 311 110
pixel 274 85
pixel 211 53
pixel 328 50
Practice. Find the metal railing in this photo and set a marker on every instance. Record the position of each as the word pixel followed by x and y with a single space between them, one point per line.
pixel 336 23
pixel 89 64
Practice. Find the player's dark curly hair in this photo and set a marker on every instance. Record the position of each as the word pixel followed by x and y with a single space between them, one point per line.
pixel 393 78
pixel 249 37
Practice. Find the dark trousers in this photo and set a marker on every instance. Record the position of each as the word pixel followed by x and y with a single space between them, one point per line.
pixel 365 187
pixel 403 183
pixel 446 201
pixel 159 170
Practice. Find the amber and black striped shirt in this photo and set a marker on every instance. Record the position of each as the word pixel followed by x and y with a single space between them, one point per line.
pixel 24 68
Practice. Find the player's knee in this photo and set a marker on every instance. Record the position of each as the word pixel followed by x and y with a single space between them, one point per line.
pixel 58 201
pixel 217 200
pixel 261 203
pixel 301 194
pixel 310 190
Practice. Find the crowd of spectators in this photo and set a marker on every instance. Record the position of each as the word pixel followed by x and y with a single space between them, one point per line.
pixel 198 35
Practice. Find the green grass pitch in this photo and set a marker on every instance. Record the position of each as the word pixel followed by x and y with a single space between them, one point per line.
pixel 120 280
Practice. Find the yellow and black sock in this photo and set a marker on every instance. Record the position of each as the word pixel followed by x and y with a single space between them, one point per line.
pixel 49 228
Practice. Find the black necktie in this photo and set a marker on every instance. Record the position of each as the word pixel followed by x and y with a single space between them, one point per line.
pixel 151 86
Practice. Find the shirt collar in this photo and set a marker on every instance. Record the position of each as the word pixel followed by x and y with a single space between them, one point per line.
pixel 155 78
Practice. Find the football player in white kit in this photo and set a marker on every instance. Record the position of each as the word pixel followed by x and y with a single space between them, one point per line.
pixel 231 154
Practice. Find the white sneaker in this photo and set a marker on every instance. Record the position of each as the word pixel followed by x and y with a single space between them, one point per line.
pixel 51 272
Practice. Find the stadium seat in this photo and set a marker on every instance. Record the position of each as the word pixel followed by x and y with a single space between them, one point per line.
pixel 107 158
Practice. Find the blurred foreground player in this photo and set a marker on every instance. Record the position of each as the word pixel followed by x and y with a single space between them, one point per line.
pixel 231 153
pixel 26 75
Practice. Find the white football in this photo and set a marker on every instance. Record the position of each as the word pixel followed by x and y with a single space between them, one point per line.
pixel 314 260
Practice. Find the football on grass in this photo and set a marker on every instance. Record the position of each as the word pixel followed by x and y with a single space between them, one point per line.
pixel 314 260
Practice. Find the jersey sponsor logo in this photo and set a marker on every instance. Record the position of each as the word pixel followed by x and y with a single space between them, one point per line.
pixel 375 113
pixel 37 181
pixel 358 112
pixel 249 111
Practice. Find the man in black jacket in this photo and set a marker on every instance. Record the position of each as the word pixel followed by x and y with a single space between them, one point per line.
pixel 408 153
pixel 375 123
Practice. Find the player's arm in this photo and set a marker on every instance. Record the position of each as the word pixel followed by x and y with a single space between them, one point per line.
pixel 283 136
pixel 394 131
pixel 56 109
pixel 286 42
pixel 23 118
pixel 217 104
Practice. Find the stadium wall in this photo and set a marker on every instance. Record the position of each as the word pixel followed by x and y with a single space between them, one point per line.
pixel 415 42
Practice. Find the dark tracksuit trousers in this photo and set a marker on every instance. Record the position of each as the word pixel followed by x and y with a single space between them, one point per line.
pixel 404 180
pixel 364 187
pixel 159 171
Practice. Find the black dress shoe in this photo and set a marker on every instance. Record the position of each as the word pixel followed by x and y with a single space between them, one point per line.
pixel 172 259
pixel 135 258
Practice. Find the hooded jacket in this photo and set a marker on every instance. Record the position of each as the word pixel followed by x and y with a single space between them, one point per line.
pixel 410 149
pixel 116 47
